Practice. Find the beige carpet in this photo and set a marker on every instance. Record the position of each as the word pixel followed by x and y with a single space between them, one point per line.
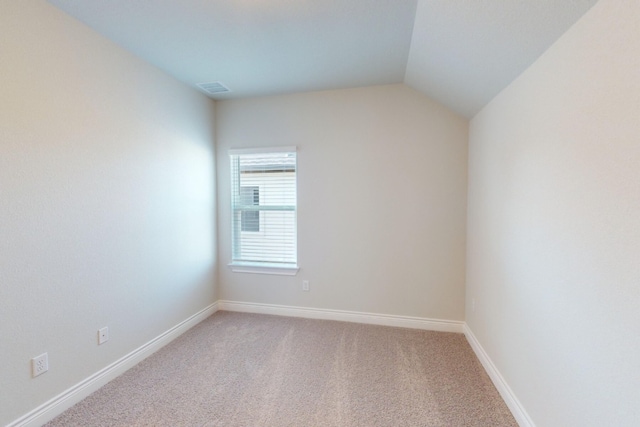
pixel 251 370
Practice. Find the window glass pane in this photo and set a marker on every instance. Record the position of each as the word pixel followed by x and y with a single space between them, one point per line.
pixel 250 220
pixel 264 207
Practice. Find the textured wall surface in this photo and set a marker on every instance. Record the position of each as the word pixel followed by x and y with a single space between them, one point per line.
pixel 107 212
pixel 381 200
pixel 553 261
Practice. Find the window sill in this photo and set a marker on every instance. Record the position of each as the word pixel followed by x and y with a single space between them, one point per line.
pixel 266 268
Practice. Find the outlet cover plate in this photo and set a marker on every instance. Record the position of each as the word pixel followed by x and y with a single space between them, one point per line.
pixel 103 335
pixel 39 365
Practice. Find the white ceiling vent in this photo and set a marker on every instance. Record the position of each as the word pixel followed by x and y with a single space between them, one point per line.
pixel 213 88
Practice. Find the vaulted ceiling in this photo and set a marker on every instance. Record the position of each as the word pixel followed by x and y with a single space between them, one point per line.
pixel 459 52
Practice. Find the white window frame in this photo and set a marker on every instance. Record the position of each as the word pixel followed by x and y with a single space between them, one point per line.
pixel 259 267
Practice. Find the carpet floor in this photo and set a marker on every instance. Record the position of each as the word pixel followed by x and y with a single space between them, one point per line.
pixel 250 370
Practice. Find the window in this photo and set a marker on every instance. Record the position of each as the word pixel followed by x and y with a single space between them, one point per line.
pixel 263 203
pixel 250 220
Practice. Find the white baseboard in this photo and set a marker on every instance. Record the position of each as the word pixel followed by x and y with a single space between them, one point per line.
pixel 345 316
pixel 73 395
pixel 505 391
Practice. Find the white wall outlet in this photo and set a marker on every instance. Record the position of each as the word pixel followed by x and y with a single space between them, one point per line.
pixel 305 285
pixel 39 365
pixel 103 335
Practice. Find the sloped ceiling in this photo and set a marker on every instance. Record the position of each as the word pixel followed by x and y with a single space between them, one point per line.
pixel 463 53
pixel 459 52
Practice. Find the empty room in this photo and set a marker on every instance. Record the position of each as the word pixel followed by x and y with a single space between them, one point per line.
pixel 320 213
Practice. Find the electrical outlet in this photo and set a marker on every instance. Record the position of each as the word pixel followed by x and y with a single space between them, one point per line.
pixel 103 335
pixel 39 365
pixel 305 285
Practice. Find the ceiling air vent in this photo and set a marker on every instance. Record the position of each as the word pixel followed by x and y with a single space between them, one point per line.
pixel 213 88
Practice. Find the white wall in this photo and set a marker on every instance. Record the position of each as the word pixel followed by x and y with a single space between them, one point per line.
pixel 106 202
pixel 553 259
pixel 381 200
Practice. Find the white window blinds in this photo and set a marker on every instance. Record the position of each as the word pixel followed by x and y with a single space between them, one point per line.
pixel 263 203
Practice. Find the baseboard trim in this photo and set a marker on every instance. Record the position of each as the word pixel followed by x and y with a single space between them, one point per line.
pixel 505 391
pixel 345 316
pixel 76 393
pixel 73 395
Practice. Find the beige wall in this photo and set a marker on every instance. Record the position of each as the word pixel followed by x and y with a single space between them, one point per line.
pixel 107 202
pixel 381 200
pixel 553 259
